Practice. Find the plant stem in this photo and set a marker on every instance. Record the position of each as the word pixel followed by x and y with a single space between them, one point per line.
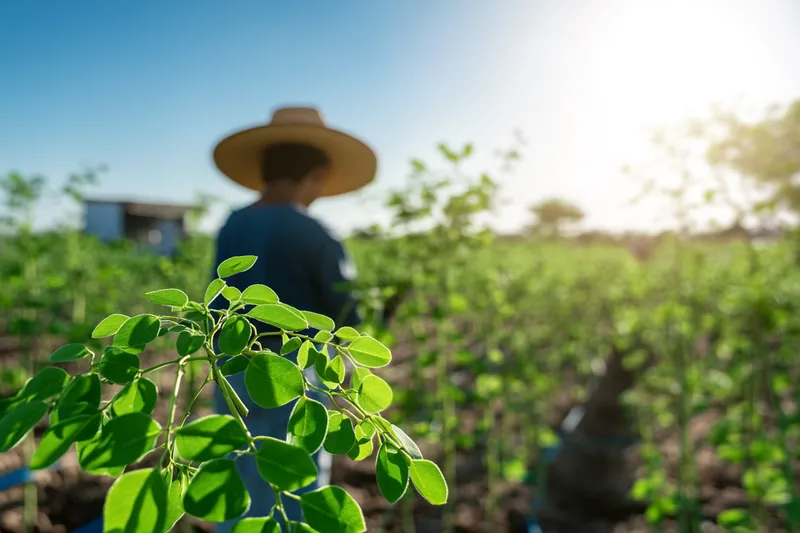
pixel 31 492
pixel 206 381
pixel 279 503
pixel 173 404
pixel 180 361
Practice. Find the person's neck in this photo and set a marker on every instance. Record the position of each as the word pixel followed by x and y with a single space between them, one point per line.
pixel 281 194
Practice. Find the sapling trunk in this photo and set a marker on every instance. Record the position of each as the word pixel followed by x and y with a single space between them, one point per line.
pixel 448 416
pixel 494 440
pixel 79 307
pixel 506 430
pixel 30 492
pixel 792 520
pixel 190 380
pixel 492 466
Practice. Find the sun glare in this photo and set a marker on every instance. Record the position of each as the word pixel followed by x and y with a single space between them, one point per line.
pixel 623 68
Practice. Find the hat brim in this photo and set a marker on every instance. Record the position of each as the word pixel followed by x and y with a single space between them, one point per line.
pixel 353 164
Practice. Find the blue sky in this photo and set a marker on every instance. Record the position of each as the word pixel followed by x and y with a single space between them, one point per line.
pixel 147 87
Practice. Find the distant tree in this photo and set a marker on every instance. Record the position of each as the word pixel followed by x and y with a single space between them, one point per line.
pixel 766 151
pixel 20 194
pixel 555 215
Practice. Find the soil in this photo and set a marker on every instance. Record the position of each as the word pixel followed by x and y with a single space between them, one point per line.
pixel 69 498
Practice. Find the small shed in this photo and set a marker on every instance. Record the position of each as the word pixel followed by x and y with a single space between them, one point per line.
pixel 158 227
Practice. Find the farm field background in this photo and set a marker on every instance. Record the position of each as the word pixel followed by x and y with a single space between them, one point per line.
pixel 488 363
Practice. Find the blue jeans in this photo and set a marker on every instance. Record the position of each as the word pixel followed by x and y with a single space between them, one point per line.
pixel 269 423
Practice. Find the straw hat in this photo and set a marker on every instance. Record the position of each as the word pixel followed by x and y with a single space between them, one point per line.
pixel 353 163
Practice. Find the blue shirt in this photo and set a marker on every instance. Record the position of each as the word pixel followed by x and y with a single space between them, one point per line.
pixel 298 258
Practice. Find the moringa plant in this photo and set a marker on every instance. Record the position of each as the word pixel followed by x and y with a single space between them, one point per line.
pixel 194 472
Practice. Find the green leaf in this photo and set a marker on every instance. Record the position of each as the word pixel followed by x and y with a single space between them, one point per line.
pixel 358 376
pixel 323 336
pixel 139 396
pixel 188 343
pixel 259 294
pixel 374 395
pixel 65 411
pixel 70 410
pixel 211 437
pixel 370 352
pixel 448 153
pixel 417 165
pixel 341 436
pixel 57 440
pixel 48 382
pixel 136 503
pixel 174 504
pixel 321 363
pixel 347 334
pixel 332 510
pixel 83 388
pixel 70 352
pixel 168 297
pixel 122 441
pixel 256 525
pixel 321 366
pixel 291 345
pixel 17 422
pixel 285 465
pixel 273 381
pixel 212 291
pixel 368 429
pixel 6 404
pixel 409 445
pixel 363 447
pixel 236 265
pixel 137 331
pixel 733 517
pixel 232 294
pixel 391 471
pixel 300 527
pixel 109 326
pixel 317 321
pixel 335 370
pixel 308 425
pixel 119 367
pixel 429 481
pixel 235 335
pixel 235 365
pixel 280 316
pixel 216 493
pixel 306 355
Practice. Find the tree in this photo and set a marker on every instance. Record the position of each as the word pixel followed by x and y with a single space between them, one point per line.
pixel 766 151
pixel 554 215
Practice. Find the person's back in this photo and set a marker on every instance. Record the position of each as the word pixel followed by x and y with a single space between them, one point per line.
pixel 299 259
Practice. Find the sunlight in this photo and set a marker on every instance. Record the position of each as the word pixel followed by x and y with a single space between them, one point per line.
pixel 657 63
pixel 619 69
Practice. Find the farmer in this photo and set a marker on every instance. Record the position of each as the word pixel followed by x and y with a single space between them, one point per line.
pixel 291 162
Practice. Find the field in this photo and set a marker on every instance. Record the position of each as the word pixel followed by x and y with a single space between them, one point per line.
pixel 493 345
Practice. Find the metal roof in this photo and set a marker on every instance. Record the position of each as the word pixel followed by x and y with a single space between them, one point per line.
pixel 151 210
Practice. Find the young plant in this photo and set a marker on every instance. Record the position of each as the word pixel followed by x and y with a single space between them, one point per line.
pixel 195 473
